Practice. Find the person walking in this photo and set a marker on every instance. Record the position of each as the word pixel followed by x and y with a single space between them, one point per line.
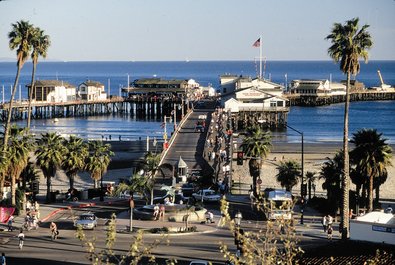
pixel 2 259
pixel 54 231
pixel 156 212
pixel 10 223
pixel 330 232
pixel 324 223
pixel 162 212
pixel 21 237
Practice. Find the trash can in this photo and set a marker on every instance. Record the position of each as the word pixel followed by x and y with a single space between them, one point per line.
pixel 84 195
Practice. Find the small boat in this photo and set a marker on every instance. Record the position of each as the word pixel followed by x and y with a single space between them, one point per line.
pixel 55 120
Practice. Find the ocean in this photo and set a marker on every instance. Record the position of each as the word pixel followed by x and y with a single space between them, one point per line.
pixel 318 124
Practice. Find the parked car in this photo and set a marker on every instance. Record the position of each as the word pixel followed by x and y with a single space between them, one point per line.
pixel 177 199
pixel 86 221
pixel 199 262
pixel 188 189
pixel 206 195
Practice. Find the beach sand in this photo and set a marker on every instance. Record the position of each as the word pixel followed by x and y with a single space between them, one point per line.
pixel 315 154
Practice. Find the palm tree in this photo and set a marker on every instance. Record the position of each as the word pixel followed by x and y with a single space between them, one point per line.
pixel 18 156
pixel 40 43
pixel 49 156
pixel 20 39
pixel 332 172
pixel 76 152
pixel 371 155
pixel 288 174
pixel 310 177
pixel 349 44
pixel 151 166
pixel 98 160
pixel 136 184
pixel 256 145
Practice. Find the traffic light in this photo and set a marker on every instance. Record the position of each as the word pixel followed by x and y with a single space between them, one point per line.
pixel 35 186
pixel 240 157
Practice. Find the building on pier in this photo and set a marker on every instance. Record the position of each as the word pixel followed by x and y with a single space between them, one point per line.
pixel 92 91
pixel 309 87
pixel 52 91
pixel 252 99
pixel 161 87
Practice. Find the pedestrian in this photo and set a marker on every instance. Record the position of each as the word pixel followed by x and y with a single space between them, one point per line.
pixel 10 222
pixel 2 259
pixel 209 217
pixel 21 237
pixel 324 223
pixel 330 231
pixel 156 212
pixel 330 220
pixel 162 212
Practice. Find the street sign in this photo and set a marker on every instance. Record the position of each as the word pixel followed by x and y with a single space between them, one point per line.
pixel 165 136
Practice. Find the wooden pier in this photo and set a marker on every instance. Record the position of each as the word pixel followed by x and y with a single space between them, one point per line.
pixel 307 100
pixel 140 107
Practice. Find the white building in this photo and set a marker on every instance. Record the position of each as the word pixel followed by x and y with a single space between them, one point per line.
pixel 374 227
pixel 92 91
pixel 52 91
pixel 240 93
pixel 308 87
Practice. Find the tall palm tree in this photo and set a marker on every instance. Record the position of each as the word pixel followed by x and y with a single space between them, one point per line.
pixel 256 145
pixel 49 156
pixel 349 44
pixel 76 152
pixel 18 155
pixel 371 155
pixel 40 43
pixel 98 160
pixel 151 166
pixel 288 174
pixel 20 39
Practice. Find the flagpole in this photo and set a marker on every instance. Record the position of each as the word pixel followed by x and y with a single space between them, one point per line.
pixel 260 56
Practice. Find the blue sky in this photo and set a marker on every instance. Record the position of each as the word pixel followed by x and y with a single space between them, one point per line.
pixel 166 30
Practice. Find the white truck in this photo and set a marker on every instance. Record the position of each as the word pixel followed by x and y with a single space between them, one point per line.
pixel 279 204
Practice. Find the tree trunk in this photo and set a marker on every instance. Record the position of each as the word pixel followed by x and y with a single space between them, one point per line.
pixel 71 178
pixel 13 189
pixel 309 189
pixel 29 109
pixel 370 194
pixel 10 106
pixel 48 198
pixel 346 169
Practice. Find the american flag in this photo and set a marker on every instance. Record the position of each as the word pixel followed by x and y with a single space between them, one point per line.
pixel 257 43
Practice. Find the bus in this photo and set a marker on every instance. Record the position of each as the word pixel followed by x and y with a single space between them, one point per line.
pixel 279 204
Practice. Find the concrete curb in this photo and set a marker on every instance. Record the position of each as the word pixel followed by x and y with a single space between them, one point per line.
pixel 81 205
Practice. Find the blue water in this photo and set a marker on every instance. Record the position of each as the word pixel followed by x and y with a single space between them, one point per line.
pixel 319 124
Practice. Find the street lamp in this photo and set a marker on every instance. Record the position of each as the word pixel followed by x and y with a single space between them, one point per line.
pixel 302 154
pixel 101 180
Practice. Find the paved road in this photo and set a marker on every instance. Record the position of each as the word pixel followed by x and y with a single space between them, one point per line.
pixel 190 144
